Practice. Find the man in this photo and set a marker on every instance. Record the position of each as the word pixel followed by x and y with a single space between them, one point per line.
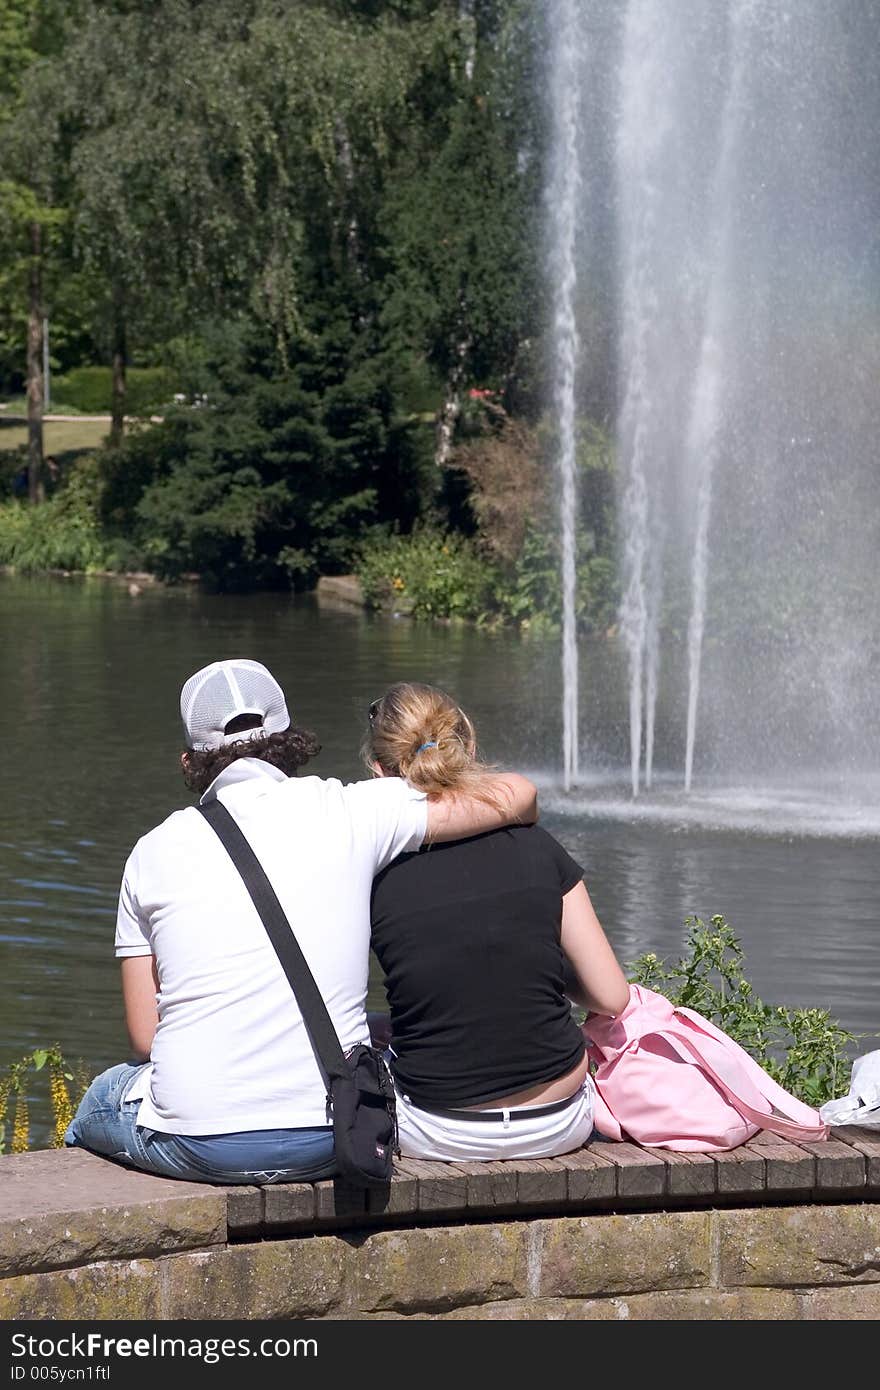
pixel 225 1086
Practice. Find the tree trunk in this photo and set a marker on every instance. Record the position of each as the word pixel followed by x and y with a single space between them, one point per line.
pixel 120 359
pixel 468 24
pixel 451 407
pixel 349 182
pixel 36 492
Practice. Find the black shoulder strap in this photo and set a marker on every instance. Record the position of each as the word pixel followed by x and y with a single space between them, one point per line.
pixel 323 1035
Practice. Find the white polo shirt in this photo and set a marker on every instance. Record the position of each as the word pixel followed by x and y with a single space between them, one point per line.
pixel 231 1051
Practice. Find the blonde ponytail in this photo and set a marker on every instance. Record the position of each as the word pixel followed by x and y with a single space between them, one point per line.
pixel 418 732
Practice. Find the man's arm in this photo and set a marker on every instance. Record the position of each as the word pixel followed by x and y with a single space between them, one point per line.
pixel 140 984
pixel 514 801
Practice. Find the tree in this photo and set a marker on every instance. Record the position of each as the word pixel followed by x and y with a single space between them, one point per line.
pixel 29 228
pixel 30 33
pixel 278 480
pixel 462 220
pixel 352 184
pixel 219 145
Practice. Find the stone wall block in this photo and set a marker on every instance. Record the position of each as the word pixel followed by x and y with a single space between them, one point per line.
pixel 438 1268
pixel 585 1256
pixel 244 1211
pixel 861 1303
pixel 537 1310
pixel 128 1289
pixel 711 1305
pixel 684 1305
pixel 64 1207
pixel 800 1246
pixel 302 1277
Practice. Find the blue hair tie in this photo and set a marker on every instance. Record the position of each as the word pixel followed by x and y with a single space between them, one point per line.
pixel 430 744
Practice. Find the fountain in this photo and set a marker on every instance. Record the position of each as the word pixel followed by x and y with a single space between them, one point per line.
pixel 735 144
pixel 565 188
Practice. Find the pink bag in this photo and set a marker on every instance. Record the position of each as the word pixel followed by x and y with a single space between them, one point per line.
pixel 670 1079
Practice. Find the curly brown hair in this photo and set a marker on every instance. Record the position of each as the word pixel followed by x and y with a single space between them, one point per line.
pixel 288 751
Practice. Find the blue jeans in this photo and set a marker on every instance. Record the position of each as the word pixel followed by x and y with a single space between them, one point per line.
pixel 106 1124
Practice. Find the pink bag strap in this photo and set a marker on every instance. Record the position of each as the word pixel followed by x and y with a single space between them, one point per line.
pixel 797 1120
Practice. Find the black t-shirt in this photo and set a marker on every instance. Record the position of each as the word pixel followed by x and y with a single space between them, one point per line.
pixel 467 934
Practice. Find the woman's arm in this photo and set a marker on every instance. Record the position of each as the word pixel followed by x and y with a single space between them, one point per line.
pixel 514 802
pixel 140 984
pixel 603 983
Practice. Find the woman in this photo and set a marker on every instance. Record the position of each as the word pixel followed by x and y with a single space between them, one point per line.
pixel 473 937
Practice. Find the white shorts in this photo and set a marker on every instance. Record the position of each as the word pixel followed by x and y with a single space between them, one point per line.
pixel 426 1135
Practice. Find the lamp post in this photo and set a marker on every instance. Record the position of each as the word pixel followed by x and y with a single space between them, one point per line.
pixel 45 363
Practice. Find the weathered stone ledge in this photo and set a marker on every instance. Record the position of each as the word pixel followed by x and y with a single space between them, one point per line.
pixel 782 1262
pixel 770 1230
pixel 67 1207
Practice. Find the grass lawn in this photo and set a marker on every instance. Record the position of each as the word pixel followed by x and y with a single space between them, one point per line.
pixel 59 437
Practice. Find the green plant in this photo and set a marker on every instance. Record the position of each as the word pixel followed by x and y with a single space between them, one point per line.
pixel 66 1088
pixel 438 574
pixel 90 390
pixel 428 574
pixel 530 592
pixel 63 533
pixel 805 1050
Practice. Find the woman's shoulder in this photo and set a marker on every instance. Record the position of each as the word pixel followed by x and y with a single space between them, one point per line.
pixel 544 851
pixel 512 842
pixel 534 838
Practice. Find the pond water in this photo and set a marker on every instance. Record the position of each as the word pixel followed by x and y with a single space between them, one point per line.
pixel 90 677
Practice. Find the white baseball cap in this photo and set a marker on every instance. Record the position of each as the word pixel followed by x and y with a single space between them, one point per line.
pixel 223 691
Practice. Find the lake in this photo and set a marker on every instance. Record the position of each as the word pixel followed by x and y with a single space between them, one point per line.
pixel 90 676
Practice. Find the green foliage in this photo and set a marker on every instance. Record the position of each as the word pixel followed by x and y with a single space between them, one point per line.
pixel 440 574
pixel 218 150
pixel 805 1050
pixel 89 389
pixel 20 208
pixel 350 184
pixel 511 470
pixel 16 44
pixel 63 533
pixel 429 574
pixel 461 213
pixel 279 478
pixel 530 593
pixel 32 169
pixel 28 29
pixel 66 1088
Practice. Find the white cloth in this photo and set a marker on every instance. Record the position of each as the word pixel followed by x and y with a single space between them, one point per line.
pixel 425 1135
pixel 231 1051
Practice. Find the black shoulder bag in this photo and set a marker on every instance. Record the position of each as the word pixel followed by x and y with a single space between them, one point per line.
pixel 360 1092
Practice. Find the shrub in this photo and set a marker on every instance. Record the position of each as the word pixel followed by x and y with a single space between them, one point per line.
pixel 438 574
pixel 510 468
pixel 805 1050
pixel 508 481
pixel 90 390
pixel 428 574
pixel 530 592
pixel 12 464
pixel 63 533
pixel 279 479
